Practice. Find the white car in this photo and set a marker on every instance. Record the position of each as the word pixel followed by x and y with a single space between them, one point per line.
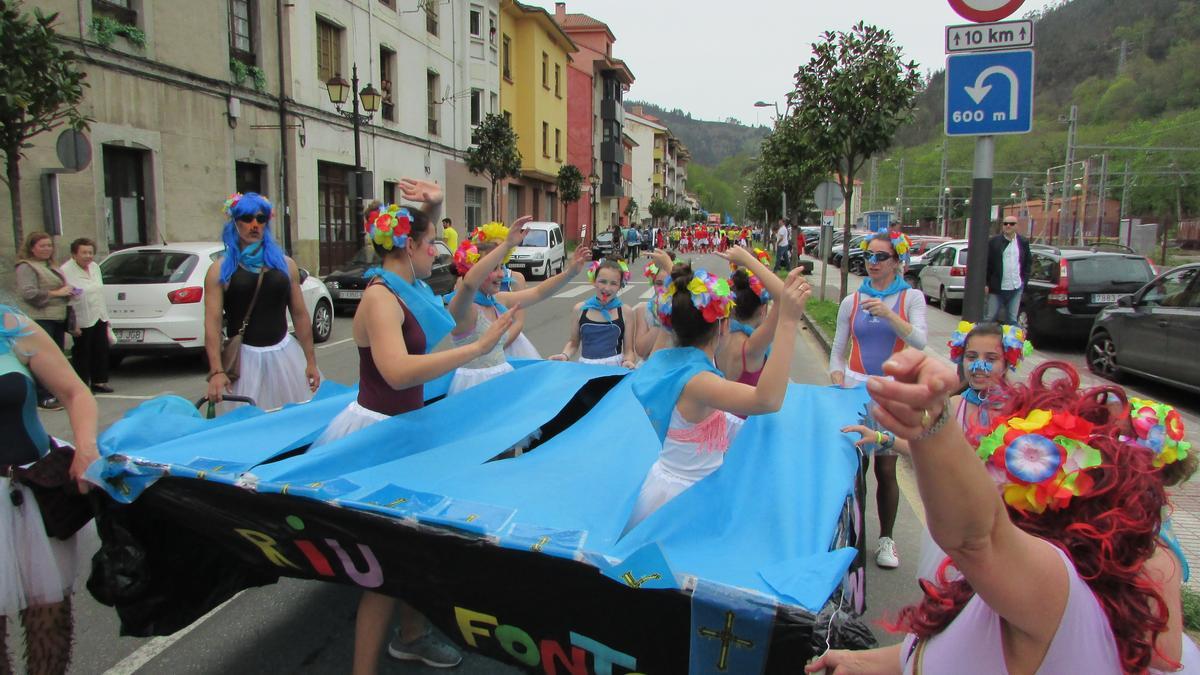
pixel 542 253
pixel 943 275
pixel 155 297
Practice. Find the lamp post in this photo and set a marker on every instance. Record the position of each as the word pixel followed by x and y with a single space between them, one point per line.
pixel 1075 224
pixel 340 90
pixel 594 183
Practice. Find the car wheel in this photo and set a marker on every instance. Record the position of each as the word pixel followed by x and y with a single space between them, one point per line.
pixel 942 301
pixel 1102 356
pixel 322 320
pixel 1023 324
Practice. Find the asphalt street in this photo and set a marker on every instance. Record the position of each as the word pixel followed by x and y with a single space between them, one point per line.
pixel 297 626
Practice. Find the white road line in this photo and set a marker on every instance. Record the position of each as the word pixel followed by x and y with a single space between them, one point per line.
pixel 647 294
pixel 335 343
pixel 147 652
pixel 575 292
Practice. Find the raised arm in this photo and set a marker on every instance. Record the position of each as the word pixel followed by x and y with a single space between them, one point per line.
pixel 837 354
pixel 462 306
pixel 964 511
pixel 535 294
pixel 426 193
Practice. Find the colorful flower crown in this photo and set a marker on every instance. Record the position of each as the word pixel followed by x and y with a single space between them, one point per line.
pixel 756 284
pixel 1158 428
pixel 389 226
pixel 231 202
pixel 651 271
pixel 465 256
pixel 1040 461
pixel 492 233
pixel 1012 340
pixel 900 242
pixel 710 295
pixel 763 256
pixel 595 267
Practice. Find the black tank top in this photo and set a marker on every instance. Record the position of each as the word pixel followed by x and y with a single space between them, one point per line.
pixel 268 324
pixel 601 339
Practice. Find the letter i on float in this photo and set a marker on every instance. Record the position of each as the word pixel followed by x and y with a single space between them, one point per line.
pixel 372 577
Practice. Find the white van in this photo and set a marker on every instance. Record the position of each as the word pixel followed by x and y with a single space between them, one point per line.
pixel 543 253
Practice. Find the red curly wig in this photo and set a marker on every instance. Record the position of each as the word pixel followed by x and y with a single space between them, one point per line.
pixel 1108 534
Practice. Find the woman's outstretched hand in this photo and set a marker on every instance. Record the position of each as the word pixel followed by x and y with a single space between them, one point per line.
pixel 910 402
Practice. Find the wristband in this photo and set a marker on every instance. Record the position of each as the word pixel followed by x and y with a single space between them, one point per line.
pixel 213 374
pixel 937 424
pixel 878 438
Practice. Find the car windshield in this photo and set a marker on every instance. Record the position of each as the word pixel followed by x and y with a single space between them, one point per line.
pixel 1110 269
pixel 536 238
pixel 604 237
pixel 148 267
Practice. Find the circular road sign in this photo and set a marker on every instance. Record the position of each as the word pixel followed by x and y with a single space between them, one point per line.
pixel 74 150
pixel 981 11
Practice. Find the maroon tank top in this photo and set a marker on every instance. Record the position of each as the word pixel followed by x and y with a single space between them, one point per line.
pixel 374 393
pixel 747 377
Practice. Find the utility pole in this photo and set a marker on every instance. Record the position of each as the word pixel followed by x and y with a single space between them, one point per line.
pixel 1081 201
pixel 874 180
pixel 900 193
pixel 942 193
pixel 980 227
pixel 1101 199
pixel 1067 175
pixel 1124 201
pixel 1046 208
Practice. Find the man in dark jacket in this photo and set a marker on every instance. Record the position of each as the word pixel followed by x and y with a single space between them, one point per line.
pixel 1008 263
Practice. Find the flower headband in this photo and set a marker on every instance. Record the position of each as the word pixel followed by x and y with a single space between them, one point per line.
pixel 625 274
pixel 710 295
pixel 465 256
pixel 651 271
pixel 232 202
pixel 1012 340
pixel 493 232
pixel 763 256
pixel 1158 428
pixel 756 284
pixel 900 243
pixel 389 227
pixel 1040 461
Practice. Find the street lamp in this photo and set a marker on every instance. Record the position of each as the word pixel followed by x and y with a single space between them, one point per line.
pixel 339 91
pixel 1078 188
pixel 594 183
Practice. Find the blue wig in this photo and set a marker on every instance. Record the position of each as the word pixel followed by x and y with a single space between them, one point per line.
pixel 272 255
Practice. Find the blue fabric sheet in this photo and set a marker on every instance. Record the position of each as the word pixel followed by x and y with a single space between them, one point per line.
pixel 764 521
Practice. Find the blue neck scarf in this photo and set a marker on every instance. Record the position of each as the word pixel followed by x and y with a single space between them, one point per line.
pixel 736 326
pixel 659 381
pixel 974 397
pixel 604 308
pixel 897 286
pixel 7 335
pixel 418 297
pixel 482 299
pixel 507 282
pixel 251 257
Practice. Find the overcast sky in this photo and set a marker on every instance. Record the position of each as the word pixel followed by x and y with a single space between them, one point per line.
pixel 715 59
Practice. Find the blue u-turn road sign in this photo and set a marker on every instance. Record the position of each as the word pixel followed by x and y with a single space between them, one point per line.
pixel 989 93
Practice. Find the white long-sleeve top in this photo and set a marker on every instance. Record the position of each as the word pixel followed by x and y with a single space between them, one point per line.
pixel 914 310
pixel 90 305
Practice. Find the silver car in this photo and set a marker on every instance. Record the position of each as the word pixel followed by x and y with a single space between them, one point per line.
pixel 944 275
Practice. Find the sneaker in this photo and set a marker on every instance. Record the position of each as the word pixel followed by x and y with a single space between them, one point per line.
pixel 102 388
pixel 428 649
pixel 885 554
pixel 50 404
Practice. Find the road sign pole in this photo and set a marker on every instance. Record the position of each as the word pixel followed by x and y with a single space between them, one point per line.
pixel 977 236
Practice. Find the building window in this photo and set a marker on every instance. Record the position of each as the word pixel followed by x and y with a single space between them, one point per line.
pixel 476 22
pixel 390 4
pixel 387 68
pixel 121 10
pixel 431 89
pixel 125 195
pixel 431 16
pixel 250 177
pixel 329 50
pixel 492 28
pixel 508 118
pixel 476 106
pixel 241 35
pixel 493 103
pixel 545 139
pixel 506 58
pixel 558 144
pixel 558 80
pixel 516 197
pixel 389 192
pixel 473 199
pixel 551 207
pixel 545 70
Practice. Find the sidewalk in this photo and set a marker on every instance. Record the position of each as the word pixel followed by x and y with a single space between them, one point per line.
pixel 1185 499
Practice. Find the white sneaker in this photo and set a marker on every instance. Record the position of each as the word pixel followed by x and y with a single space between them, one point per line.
pixel 885 553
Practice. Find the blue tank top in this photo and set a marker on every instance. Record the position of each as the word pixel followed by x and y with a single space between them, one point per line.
pixel 25 440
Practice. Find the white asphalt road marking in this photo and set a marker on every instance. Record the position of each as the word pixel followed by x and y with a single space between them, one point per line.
pixel 575 292
pixel 335 343
pixel 147 652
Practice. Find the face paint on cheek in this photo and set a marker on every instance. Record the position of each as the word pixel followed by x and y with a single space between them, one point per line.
pixel 431 251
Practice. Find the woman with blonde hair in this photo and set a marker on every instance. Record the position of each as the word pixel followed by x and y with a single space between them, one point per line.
pixel 43 293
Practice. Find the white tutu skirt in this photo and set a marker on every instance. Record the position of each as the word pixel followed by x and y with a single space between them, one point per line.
pixel 36 569
pixel 614 360
pixel 465 378
pixel 350 420
pixel 522 348
pixel 272 376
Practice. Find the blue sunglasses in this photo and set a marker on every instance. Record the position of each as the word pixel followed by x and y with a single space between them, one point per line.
pixel 879 257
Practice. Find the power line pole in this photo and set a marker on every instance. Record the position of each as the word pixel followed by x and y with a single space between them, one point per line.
pixel 874 180
pixel 900 193
pixel 1067 174
pixel 1125 182
pixel 1102 198
pixel 942 193
pixel 1046 209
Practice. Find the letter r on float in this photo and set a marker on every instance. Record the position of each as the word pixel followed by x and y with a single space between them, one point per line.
pixel 466 620
pixel 268 547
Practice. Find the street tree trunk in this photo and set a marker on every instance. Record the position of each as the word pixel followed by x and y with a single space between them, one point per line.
pixel 847 194
pixel 13 176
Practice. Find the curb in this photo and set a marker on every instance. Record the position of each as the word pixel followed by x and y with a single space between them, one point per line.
pixel 818 333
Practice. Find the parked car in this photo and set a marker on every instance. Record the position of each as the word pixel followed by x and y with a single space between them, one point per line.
pixel 602 247
pixel 1151 333
pixel 942 274
pixel 1069 286
pixel 155 297
pixel 542 253
pixel 835 254
pixel 346 283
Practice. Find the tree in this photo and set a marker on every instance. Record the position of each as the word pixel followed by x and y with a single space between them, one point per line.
pixel 683 214
pixel 570 183
pixel 631 210
pixel 40 87
pixel 849 100
pixel 494 154
pixel 660 208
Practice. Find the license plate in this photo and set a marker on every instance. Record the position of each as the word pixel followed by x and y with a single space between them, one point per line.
pixel 350 295
pixel 1105 298
pixel 129 334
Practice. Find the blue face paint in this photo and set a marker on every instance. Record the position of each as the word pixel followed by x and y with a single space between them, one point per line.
pixel 984 367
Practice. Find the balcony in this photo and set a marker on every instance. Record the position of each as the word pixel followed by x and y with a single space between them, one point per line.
pixel 610 109
pixel 658 154
pixel 658 181
pixel 612 151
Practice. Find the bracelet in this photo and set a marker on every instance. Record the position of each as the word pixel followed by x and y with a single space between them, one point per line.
pixel 878 437
pixel 937 424
pixel 564 355
pixel 213 374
